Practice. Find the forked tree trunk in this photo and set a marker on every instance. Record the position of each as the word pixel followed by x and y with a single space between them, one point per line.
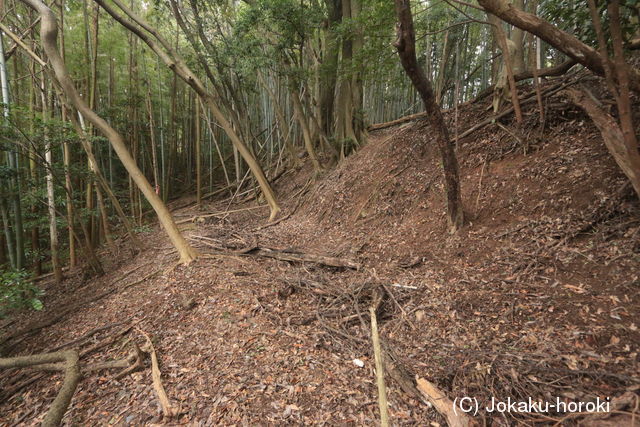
pixel 48 36
pixel 406 45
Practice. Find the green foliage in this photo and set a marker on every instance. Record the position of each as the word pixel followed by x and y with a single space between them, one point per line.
pixel 144 228
pixel 573 16
pixel 16 292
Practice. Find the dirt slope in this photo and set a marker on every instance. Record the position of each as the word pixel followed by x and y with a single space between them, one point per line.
pixel 537 296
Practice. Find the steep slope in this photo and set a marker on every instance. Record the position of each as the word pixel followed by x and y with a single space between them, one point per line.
pixel 536 297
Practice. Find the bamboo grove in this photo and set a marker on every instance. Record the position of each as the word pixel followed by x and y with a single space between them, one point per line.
pixel 178 97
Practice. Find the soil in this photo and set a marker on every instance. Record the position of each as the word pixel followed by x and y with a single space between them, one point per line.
pixel 537 296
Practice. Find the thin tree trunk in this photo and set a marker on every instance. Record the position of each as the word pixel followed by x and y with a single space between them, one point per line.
pixel 33 172
pixel 6 226
pixel 215 142
pixel 48 33
pixel 171 59
pixel 406 46
pixel 329 74
pixel 306 133
pixel 198 155
pixel 51 200
pixel 152 134
pixel 564 42
pixel 517 37
pixel 12 162
pixel 281 120
pixel 105 218
pixel 443 67
pixel 69 196
pixel 507 72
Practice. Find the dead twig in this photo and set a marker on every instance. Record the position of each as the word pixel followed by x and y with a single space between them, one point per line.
pixel 377 352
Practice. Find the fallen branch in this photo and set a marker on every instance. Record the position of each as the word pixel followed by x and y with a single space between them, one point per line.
pixel 626 155
pixel 223 213
pixel 272 223
pixel 377 352
pixel 443 404
pixel 550 91
pixel 302 257
pixel 167 410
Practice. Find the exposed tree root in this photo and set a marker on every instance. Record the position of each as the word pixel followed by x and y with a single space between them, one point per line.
pixel 67 361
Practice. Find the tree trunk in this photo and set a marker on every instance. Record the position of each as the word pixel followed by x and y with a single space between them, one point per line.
pixel 517 37
pixel 506 77
pixel 173 61
pixel 12 161
pixel 306 133
pixel 405 45
pixel 564 42
pixel 627 157
pixel 329 68
pixel 198 156
pixel 51 200
pixel 33 174
pixel 48 32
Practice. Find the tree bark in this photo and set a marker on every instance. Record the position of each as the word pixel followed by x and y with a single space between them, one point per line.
pixel 48 36
pixel 12 161
pixel 329 68
pixel 168 55
pixel 306 132
pixel 198 155
pixel 627 157
pixel 51 200
pixel 405 45
pixel 557 38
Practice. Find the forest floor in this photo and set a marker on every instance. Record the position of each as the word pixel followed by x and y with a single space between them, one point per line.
pixel 537 296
